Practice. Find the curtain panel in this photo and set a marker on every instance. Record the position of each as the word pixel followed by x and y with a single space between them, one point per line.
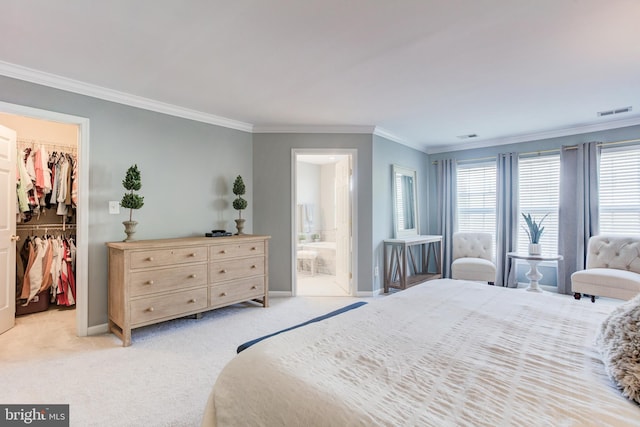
pixel 578 211
pixel 447 206
pixel 507 218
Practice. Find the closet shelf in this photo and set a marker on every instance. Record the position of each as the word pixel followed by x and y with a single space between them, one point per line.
pixel 44 226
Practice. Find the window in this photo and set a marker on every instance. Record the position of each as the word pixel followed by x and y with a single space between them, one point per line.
pixel 476 191
pixel 620 190
pixel 539 183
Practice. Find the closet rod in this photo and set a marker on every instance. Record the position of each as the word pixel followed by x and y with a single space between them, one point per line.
pixel 43 226
pixel 52 146
pixel 603 144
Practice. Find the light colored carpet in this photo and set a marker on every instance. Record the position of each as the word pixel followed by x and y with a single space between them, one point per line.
pixel 163 379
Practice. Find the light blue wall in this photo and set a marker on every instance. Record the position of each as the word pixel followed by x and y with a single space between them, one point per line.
pixel 385 154
pixel 187 171
pixel 273 199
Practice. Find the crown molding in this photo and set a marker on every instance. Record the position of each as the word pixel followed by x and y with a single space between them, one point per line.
pixel 556 133
pixel 52 80
pixel 393 137
pixel 313 129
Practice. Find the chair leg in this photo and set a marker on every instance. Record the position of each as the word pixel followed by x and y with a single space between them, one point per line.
pixel 577 295
pixel 593 298
pixel 491 283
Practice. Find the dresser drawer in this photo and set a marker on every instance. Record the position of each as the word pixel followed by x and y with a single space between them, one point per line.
pixel 232 250
pixel 173 305
pixel 221 271
pixel 166 279
pixel 160 257
pixel 236 291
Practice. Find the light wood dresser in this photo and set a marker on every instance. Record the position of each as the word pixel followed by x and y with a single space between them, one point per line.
pixel 151 281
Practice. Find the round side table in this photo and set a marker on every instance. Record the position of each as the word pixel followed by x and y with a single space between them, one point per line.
pixel 533 274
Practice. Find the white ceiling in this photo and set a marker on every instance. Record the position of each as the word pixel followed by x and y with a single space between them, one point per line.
pixel 420 71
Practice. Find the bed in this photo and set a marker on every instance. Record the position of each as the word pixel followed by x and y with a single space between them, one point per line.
pixel 442 353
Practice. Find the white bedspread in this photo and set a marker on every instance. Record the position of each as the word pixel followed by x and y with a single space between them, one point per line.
pixel 443 353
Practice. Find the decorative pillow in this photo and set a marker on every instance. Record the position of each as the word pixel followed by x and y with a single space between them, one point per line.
pixel 619 343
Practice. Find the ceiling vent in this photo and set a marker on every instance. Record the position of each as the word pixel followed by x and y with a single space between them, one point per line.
pixel 471 135
pixel 616 111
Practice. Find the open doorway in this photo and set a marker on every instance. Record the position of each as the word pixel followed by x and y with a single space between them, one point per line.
pixel 323 209
pixel 29 122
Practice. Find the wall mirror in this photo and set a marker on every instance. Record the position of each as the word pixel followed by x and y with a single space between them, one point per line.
pixel 405 206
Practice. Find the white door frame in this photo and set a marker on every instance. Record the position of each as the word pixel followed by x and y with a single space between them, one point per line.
pixel 354 210
pixel 82 209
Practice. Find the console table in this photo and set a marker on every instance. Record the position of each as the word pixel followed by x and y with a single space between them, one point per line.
pixel 533 274
pixel 406 261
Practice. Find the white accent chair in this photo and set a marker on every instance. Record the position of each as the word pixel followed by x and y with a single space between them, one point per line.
pixel 473 257
pixel 612 270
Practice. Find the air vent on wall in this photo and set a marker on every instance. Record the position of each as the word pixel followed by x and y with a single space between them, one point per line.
pixel 612 112
pixel 471 135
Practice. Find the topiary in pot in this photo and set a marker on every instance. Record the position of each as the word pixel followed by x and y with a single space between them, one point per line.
pixel 132 182
pixel 239 203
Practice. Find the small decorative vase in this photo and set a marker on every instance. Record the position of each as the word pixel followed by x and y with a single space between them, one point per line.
pixel 130 229
pixel 239 225
pixel 535 248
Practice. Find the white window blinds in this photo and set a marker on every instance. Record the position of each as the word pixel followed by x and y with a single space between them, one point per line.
pixel 620 190
pixel 539 183
pixel 476 190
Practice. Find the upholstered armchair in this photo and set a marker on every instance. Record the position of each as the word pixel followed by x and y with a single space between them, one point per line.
pixel 473 257
pixel 612 270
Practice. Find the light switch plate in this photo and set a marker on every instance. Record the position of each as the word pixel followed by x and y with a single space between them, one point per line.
pixel 114 207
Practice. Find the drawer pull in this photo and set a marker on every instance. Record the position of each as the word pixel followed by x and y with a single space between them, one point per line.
pixel 150 309
pixel 193 254
pixel 224 294
pixel 150 258
pixel 253 248
pixel 223 251
pixel 193 276
pixel 192 300
pixel 149 282
pixel 223 271
pixel 254 287
pixel 254 266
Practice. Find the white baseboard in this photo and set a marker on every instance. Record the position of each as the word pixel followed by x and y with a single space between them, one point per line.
pixel 370 294
pixel 280 294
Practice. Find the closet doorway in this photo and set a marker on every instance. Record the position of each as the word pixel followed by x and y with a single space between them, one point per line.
pixel 62 134
pixel 323 215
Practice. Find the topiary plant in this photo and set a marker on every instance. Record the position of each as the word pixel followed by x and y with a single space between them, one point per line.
pixel 132 182
pixel 239 189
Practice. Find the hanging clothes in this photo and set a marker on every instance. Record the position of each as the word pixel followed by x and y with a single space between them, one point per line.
pixel 44 181
pixel 50 266
pixel 46 184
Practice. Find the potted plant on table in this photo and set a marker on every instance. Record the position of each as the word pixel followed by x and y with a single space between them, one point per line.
pixel 132 182
pixel 534 230
pixel 239 203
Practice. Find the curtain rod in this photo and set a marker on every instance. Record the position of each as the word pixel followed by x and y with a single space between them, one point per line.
pixel 554 150
pixel 602 144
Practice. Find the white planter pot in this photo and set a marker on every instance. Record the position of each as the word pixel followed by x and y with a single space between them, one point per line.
pixel 535 248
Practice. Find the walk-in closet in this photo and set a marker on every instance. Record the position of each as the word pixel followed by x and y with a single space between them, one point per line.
pixel 46 213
